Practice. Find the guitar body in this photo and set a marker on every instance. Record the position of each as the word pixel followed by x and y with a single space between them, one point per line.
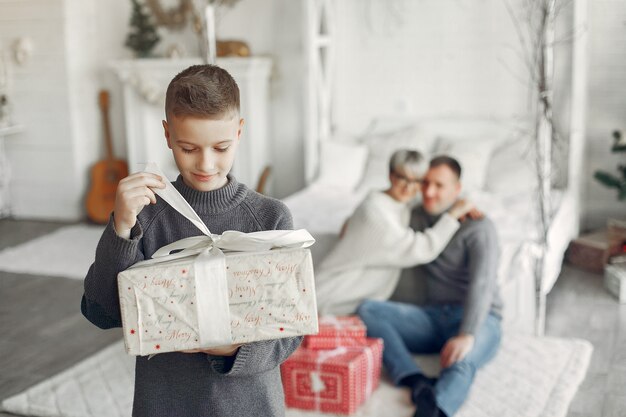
pixel 105 175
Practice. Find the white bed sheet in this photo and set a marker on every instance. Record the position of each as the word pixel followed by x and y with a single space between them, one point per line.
pixel 517 219
pixel 322 209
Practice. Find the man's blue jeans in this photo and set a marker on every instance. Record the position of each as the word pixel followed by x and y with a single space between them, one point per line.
pixel 408 329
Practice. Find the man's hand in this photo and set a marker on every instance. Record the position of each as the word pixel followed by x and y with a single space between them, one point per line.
pixel 473 214
pixel 456 349
pixel 460 209
pixel 133 193
pixel 229 350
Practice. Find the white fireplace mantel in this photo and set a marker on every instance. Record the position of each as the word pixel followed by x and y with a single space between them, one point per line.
pixel 144 84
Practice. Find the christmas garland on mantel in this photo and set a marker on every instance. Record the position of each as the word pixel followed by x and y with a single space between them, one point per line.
pixel 176 17
pixel 172 18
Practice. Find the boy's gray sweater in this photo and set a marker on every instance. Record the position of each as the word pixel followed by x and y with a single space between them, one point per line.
pixel 193 384
pixel 465 272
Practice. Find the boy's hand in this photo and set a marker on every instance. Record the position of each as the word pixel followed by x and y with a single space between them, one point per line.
pixel 133 194
pixel 229 350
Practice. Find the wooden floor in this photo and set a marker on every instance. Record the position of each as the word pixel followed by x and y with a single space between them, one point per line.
pixel 42 330
pixel 579 306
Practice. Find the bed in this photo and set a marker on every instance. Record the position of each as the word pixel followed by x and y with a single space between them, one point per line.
pixel 441 72
pixel 496 156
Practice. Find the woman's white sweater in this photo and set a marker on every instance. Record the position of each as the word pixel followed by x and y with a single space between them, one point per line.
pixel 377 243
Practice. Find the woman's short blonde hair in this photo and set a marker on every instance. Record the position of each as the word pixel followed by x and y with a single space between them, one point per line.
pixel 409 161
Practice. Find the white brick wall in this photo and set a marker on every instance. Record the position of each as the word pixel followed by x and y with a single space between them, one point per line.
pixel 82 71
pixel 55 98
pixel 41 157
pixel 55 95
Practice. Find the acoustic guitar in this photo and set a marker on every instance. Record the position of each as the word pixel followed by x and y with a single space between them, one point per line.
pixel 105 174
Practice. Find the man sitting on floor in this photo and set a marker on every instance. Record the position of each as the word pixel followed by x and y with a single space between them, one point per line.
pixel 462 318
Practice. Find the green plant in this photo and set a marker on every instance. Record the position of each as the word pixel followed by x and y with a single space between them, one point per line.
pixel 614 181
pixel 143 36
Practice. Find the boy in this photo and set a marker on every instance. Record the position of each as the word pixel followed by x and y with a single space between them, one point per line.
pixel 203 130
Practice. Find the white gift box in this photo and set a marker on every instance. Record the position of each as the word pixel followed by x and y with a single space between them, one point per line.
pixel 270 295
pixel 615 280
pixel 217 290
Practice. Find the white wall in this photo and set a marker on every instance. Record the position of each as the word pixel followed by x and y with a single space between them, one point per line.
pixel 46 159
pixel 274 28
pixel 607 106
pixel 112 19
pixel 434 58
pixel 451 61
pixel 429 58
pixel 55 94
pixel 458 58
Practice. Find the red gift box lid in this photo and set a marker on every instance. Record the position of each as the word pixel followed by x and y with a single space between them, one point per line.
pixel 331 325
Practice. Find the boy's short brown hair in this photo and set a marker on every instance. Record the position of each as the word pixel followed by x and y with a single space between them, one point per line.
pixel 205 91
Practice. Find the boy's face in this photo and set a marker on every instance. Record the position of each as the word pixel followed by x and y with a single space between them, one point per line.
pixel 204 149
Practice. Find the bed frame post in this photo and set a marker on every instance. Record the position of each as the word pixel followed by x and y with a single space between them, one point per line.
pixel 577 139
pixel 320 63
pixel 578 114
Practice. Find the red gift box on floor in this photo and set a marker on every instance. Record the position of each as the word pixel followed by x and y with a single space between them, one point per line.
pixel 332 381
pixel 337 331
pixel 590 251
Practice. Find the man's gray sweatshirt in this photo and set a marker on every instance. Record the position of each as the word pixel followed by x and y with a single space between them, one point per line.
pixel 193 384
pixel 465 272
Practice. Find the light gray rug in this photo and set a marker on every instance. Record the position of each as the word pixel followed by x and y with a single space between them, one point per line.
pixel 530 377
pixel 66 252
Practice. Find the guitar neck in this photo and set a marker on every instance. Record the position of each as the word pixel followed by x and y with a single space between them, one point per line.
pixel 104 108
pixel 107 136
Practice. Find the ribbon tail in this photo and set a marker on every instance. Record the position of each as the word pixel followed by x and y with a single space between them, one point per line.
pixel 212 299
pixel 174 199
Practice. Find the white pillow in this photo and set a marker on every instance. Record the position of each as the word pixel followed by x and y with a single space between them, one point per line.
pixel 380 148
pixel 341 163
pixel 512 169
pixel 474 156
